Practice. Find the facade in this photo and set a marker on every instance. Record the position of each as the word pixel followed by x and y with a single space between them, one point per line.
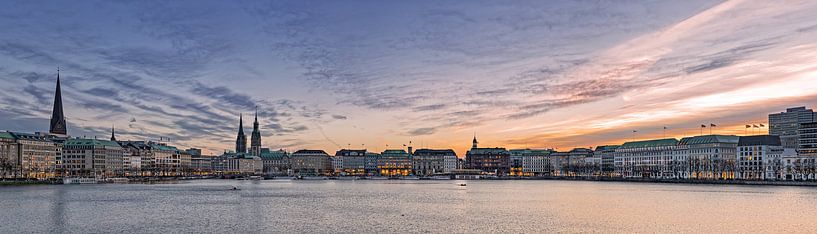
pixel 709 156
pixel 132 164
pixel 201 164
pixel 275 162
pixel 237 164
pixel 9 156
pixel 559 163
pixel 606 154
pixel 786 124
pixel 807 139
pixel 759 157
pixel 144 152
pixel 311 163
pixel 371 164
pixel 93 158
pixel 353 162
pixel 395 162
pixel 431 161
pixel 649 159
pixel 581 162
pixel 185 162
pixel 167 159
pixel 530 162
pixel 36 155
pixel 491 160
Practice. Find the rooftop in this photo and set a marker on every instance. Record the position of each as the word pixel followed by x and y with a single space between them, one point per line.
pixel 94 142
pixel 759 140
pixel 649 143
pixel 708 139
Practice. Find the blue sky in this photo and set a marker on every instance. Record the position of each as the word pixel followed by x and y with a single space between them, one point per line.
pixel 330 74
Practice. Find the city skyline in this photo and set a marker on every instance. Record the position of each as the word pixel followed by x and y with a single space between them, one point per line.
pixel 320 82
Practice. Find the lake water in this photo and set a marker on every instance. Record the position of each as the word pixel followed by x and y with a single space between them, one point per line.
pixel 208 206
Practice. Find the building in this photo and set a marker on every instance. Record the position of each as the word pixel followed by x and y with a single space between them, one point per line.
pixel 201 164
pixel 606 154
pixel 581 162
pixel 530 162
pixel 371 164
pixel 311 163
pixel 759 157
pixel 167 160
pixel 9 156
pixel 353 162
pixel 142 151
pixel 807 139
pixel 797 167
pixel 434 161
pixel 559 162
pixel 275 162
pixel 649 159
pixel 491 160
pixel 395 162
pixel 230 163
pixel 185 162
pixel 786 124
pixel 93 158
pixel 36 155
pixel 708 156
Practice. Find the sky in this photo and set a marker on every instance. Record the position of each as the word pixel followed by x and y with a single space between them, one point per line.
pixel 381 74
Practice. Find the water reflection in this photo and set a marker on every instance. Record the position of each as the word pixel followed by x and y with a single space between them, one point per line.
pixel 406 206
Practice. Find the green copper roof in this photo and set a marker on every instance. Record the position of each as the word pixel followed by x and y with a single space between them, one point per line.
pixel 94 142
pixel 6 135
pixel 163 147
pixel 649 143
pixel 607 147
pixel 278 154
pixel 708 139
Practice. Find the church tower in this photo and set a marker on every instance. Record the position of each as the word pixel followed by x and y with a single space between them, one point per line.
pixel 113 137
pixel 474 142
pixel 57 116
pixel 255 139
pixel 241 140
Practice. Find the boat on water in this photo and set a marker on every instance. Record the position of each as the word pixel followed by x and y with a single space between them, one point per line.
pixel 117 180
pixel 79 180
pixel 314 178
pixel 441 177
pixel 256 178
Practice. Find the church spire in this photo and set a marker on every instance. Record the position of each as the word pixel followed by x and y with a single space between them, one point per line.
pixel 241 140
pixel 255 138
pixel 475 142
pixel 57 116
pixel 113 137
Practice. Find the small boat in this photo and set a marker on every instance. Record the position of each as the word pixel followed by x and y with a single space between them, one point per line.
pixel 235 188
pixel 256 178
pixel 462 184
pixel 79 180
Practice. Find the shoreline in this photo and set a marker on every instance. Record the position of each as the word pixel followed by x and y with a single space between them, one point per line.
pixel 162 180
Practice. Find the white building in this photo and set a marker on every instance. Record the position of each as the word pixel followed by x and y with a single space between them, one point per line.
pixel 530 162
pixel 759 157
pixel 92 158
pixel 709 156
pixel 650 159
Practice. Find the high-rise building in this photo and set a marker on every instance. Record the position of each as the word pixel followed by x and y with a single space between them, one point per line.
pixel 786 124
pixel 255 140
pixel 241 139
pixel 807 139
pixel 57 116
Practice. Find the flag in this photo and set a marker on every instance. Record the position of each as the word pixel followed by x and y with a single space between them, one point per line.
pixel 755 126
pixel 703 125
pixel 665 127
pixel 635 131
pixel 761 125
pixel 748 126
pixel 713 125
